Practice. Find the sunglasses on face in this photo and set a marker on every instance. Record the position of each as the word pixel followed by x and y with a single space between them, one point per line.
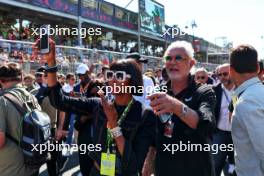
pixel 80 75
pixel 176 57
pixel 223 74
pixel 38 75
pixel 118 75
pixel 200 77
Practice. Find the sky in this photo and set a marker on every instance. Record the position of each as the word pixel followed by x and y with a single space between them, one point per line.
pixel 239 21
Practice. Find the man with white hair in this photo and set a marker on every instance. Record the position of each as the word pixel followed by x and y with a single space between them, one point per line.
pixel 201 76
pixel 191 118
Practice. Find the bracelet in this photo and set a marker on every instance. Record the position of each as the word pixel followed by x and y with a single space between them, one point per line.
pixel 52 69
pixel 116 132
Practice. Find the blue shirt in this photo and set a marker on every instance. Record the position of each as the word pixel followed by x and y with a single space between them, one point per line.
pixel 247 128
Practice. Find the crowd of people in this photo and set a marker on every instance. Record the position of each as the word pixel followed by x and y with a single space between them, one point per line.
pixel 141 131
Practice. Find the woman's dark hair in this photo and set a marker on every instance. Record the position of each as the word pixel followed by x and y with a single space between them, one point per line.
pixel 244 59
pixel 10 72
pixel 130 67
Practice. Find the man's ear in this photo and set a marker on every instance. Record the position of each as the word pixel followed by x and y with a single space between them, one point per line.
pixel 258 68
pixel 192 63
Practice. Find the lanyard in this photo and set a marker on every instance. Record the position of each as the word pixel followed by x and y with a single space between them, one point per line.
pixel 109 137
pixel 228 100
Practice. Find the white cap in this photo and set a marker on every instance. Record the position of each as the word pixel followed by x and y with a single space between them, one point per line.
pixel 82 69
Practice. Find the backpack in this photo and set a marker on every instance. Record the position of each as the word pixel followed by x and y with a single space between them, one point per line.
pixel 35 129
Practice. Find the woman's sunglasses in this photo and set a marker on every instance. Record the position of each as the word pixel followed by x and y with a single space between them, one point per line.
pixel 200 77
pixel 118 75
pixel 176 57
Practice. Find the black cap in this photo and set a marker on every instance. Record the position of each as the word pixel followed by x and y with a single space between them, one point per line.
pixel 40 70
pixel 137 57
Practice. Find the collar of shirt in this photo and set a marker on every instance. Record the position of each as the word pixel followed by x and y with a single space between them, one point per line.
pixel 245 85
pixel 191 86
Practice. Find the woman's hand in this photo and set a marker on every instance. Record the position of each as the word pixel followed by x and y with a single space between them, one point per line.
pixel 109 111
pixel 49 57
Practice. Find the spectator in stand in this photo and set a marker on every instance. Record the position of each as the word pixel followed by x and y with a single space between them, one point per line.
pixel 201 76
pixel 3 59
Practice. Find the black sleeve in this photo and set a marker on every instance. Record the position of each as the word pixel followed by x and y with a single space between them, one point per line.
pixel 80 106
pixel 207 101
pixel 135 153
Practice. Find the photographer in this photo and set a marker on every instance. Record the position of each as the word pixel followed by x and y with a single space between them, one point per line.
pixel 124 129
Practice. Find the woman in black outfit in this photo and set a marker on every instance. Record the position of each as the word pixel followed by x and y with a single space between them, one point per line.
pixel 123 128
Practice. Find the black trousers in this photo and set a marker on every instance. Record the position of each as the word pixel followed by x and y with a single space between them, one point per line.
pixel 86 163
pixel 55 161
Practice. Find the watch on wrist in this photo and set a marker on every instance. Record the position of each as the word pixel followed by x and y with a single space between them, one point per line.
pixel 184 111
pixel 52 69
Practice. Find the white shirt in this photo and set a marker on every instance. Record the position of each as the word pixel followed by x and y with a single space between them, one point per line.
pixel 67 88
pixel 148 85
pixel 223 123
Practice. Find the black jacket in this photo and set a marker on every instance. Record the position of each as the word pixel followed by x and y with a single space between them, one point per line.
pixel 135 149
pixel 218 93
pixel 201 99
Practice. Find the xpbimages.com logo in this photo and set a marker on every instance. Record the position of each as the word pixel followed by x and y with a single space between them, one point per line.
pixel 173 32
pixel 61 31
pixel 117 89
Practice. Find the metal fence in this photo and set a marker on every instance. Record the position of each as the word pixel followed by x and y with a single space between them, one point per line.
pixel 68 58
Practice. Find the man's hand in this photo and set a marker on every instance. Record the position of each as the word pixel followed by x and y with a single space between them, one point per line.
pixel 59 134
pixel 162 103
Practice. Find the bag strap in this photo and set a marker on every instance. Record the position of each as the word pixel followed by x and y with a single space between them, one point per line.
pixel 16 103
pixel 19 106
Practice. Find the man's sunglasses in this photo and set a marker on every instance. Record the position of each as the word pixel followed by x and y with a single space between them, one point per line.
pixel 118 75
pixel 223 74
pixel 200 77
pixel 80 75
pixel 176 57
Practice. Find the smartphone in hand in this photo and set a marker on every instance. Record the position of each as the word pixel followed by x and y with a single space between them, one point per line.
pixel 44 39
